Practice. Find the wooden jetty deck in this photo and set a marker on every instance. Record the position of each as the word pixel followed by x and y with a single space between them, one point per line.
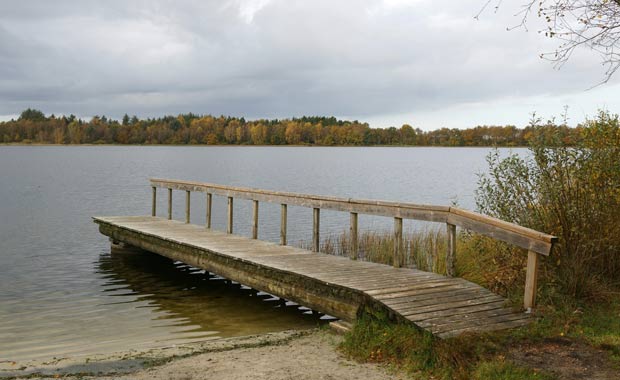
pixel 335 285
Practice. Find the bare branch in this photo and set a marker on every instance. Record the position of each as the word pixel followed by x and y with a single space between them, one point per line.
pixel 594 24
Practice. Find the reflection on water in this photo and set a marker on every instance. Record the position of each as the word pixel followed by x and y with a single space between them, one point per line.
pixel 202 304
pixel 174 303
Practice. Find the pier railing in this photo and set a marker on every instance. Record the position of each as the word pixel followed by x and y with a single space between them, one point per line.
pixel 537 243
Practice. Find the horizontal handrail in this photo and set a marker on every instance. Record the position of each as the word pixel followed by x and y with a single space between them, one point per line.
pixel 524 237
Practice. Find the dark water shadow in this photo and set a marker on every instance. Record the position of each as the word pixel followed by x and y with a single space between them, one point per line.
pixel 181 295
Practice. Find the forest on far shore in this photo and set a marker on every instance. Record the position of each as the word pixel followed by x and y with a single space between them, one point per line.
pixel 34 127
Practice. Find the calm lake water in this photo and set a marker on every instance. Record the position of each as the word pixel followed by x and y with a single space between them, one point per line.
pixel 62 293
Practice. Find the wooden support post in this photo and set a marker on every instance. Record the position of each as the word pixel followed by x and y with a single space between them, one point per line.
pixel 353 233
pixel 187 206
pixel 209 203
pixel 531 281
pixel 229 223
pixel 154 204
pixel 398 242
pixel 283 217
pixel 316 220
pixel 255 219
pixel 451 250
pixel 169 204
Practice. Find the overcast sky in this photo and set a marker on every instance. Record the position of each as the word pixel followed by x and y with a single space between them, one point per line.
pixel 426 63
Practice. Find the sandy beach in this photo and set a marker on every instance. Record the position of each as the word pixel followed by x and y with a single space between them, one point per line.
pixel 285 355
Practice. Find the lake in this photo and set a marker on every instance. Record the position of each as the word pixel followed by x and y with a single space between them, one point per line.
pixel 62 293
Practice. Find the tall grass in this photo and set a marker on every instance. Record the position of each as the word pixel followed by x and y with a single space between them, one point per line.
pixel 424 250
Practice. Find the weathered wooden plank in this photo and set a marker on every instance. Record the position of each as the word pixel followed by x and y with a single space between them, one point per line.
pixel 328 271
pixel 229 216
pixel 254 219
pixel 169 204
pixel 398 242
pixel 343 275
pixel 316 222
pixel 371 279
pixel 456 311
pixel 497 231
pixel 398 298
pixel 486 327
pixel 353 235
pixel 394 289
pixel 451 250
pixel 283 220
pixel 187 206
pixel 423 289
pixel 154 204
pixel 371 207
pixel 531 280
pixel 208 211
pixel 443 297
pixel 489 220
pixel 435 304
pixel 412 310
pixel 484 315
pixel 503 315
pixel 381 275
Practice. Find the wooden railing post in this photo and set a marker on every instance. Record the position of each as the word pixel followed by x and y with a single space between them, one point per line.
pixel 283 217
pixel 209 204
pixel 229 224
pixel 398 242
pixel 451 250
pixel 154 204
pixel 531 281
pixel 254 219
pixel 353 233
pixel 316 220
pixel 187 206
pixel 169 204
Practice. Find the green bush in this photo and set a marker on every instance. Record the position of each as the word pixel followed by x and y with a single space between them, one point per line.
pixel 570 192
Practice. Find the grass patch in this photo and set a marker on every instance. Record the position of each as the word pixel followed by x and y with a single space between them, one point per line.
pixel 600 327
pixel 499 369
pixel 375 338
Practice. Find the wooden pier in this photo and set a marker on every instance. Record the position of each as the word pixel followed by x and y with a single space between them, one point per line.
pixel 335 285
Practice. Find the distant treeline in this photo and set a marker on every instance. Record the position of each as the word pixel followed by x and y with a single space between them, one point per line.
pixel 34 127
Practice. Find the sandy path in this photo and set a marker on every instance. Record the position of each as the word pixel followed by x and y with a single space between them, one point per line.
pixel 311 356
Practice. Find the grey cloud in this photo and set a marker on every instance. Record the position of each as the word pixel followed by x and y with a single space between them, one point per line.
pixel 357 58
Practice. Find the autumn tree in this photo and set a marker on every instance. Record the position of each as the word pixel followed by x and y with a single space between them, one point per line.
pixel 32 115
pixel 407 135
pixel 207 129
pixel 75 132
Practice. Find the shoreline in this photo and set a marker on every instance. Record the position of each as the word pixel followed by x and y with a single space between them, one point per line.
pixel 279 355
pixel 135 359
